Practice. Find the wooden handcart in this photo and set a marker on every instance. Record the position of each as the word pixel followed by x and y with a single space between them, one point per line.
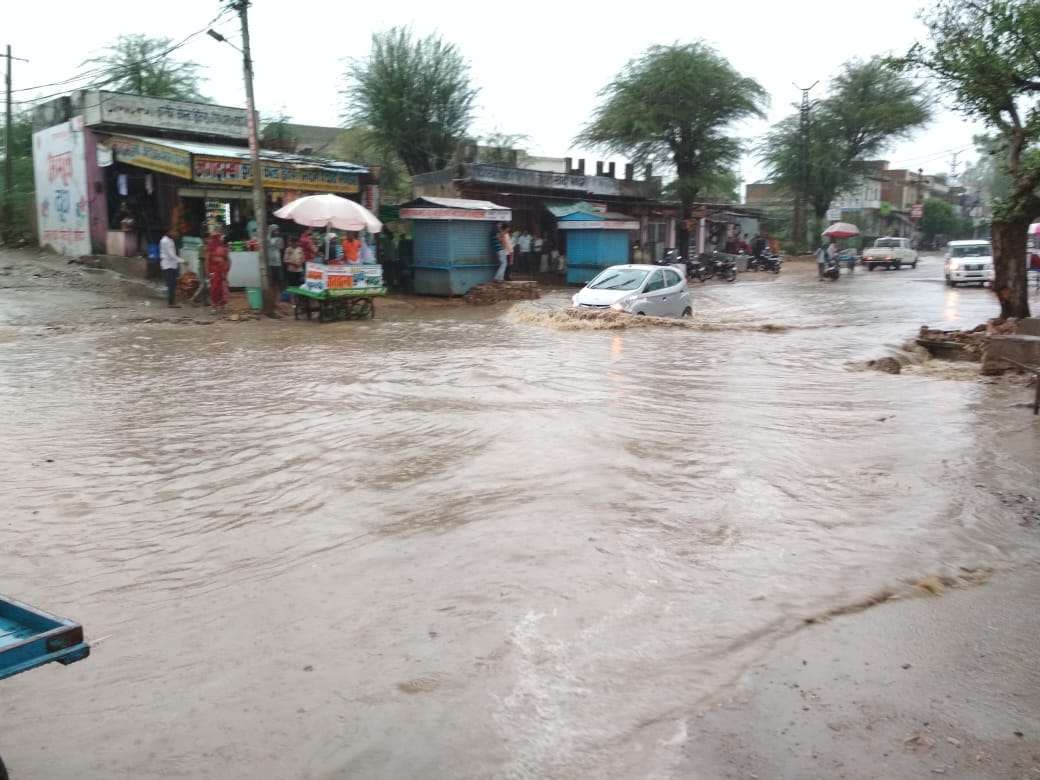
pixel 332 305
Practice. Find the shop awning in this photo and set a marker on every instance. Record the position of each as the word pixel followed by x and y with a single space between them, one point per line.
pixel 585 216
pixel 455 208
pixel 230 166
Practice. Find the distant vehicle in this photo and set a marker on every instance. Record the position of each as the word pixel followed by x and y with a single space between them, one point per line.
pixel 637 289
pixel 889 252
pixel 969 262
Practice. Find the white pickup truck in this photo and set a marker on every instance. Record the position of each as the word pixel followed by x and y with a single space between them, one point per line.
pixel 890 252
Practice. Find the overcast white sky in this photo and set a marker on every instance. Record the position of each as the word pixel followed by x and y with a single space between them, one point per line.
pixel 538 64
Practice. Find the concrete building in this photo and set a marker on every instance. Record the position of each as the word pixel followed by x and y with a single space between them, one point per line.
pixel 111 169
pixel 530 192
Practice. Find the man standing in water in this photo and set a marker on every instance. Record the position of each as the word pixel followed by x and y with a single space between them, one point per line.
pixel 170 263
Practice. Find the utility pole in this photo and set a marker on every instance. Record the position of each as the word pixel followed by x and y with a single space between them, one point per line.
pixel 803 167
pixel 5 216
pixel 259 203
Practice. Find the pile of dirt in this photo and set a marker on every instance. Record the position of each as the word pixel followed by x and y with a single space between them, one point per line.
pixel 497 292
pixel 958 344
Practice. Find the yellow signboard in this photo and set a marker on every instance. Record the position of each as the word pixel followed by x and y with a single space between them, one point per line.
pixel 153 157
pixel 239 173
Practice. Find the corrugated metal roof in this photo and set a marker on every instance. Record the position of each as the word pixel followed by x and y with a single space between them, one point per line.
pixel 459 203
pixel 566 209
pixel 582 208
pixel 238 152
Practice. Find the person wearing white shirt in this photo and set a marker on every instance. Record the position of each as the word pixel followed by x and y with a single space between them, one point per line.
pixel 525 251
pixel 170 263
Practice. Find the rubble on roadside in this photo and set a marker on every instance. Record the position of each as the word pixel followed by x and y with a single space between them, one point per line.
pixel 498 292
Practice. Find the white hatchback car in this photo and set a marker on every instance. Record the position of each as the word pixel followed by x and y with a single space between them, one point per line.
pixel 969 262
pixel 657 291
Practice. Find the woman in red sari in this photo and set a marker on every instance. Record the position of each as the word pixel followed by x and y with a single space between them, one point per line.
pixel 218 265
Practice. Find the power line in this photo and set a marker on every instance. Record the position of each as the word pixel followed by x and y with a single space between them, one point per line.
pixel 90 74
pixel 933 156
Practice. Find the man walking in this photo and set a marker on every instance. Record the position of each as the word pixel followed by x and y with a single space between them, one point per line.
pixel 170 263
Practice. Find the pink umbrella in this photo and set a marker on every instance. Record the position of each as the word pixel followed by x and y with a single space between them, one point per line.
pixel 841 230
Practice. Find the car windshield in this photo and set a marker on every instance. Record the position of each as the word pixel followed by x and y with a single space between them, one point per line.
pixel 618 279
pixel 887 243
pixel 973 250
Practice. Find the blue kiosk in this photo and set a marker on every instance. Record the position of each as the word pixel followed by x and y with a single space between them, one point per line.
pixel 452 243
pixel 596 239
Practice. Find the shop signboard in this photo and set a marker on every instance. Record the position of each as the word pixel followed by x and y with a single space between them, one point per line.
pixel 115 108
pixel 916 211
pixel 599 224
pixel 239 173
pixel 477 215
pixel 153 157
pixel 60 175
pixel 321 277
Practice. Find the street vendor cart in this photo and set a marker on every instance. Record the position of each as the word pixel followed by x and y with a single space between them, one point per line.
pixel 338 292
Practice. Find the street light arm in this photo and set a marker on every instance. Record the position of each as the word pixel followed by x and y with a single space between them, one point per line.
pixel 218 37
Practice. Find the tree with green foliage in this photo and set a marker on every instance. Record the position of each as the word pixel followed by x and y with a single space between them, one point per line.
pixel 500 148
pixel 984 56
pixel 676 106
pixel 16 210
pixel 359 145
pixel 939 219
pixel 987 177
pixel 414 97
pixel 145 66
pixel 869 106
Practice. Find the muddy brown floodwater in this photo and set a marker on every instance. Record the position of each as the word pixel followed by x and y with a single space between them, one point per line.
pixel 469 542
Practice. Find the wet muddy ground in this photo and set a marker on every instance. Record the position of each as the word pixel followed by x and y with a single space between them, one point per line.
pixel 471 542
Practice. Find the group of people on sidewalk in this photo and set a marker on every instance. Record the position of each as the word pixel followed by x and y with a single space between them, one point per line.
pixel 524 252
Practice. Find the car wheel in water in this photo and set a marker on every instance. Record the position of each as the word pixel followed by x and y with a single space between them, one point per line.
pixel 913 265
pixel 731 276
pixel 897 265
pixel 687 312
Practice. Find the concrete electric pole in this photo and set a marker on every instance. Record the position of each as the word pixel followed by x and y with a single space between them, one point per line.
pixel 5 213
pixel 803 168
pixel 259 202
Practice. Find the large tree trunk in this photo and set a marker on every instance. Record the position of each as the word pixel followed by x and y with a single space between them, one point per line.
pixel 1011 283
pixel 682 230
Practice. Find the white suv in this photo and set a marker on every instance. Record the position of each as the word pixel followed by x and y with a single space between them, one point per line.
pixel 969 262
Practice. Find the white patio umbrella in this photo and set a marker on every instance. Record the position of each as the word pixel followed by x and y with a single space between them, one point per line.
pixel 330 211
pixel 841 230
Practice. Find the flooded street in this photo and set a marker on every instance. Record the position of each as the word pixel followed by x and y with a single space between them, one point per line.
pixel 467 542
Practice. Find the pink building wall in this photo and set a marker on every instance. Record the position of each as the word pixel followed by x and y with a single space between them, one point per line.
pixel 98 208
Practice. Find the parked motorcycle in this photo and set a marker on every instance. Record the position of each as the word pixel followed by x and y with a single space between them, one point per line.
pixel 766 261
pixel 695 269
pixel 718 265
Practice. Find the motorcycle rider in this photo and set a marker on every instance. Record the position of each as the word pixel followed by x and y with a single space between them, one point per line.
pixel 821 258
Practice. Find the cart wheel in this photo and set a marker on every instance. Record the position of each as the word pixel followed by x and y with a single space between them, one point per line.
pixel 363 309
